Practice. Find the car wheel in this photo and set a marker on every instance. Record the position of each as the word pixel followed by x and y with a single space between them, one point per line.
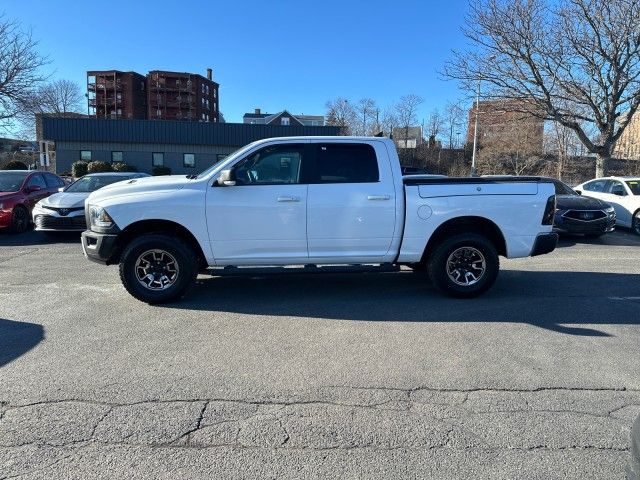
pixel 158 269
pixel 464 266
pixel 635 223
pixel 19 219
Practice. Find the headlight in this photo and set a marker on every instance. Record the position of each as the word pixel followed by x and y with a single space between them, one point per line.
pixel 99 217
pixel 609 210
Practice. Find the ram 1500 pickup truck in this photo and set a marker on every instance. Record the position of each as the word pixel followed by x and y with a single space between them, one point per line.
pixel 315 201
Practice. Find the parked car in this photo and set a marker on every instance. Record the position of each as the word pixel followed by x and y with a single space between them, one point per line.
pixel 64 211
pixel 623 193
pixel 316 200
pixel 20 190
pixel 577 214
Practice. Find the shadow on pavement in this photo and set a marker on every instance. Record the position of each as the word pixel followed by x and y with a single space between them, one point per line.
pixel 17 338
pixel 32 238
pixel 620 238
pixel 557 301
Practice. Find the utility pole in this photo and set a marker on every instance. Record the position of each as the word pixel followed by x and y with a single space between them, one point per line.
pixel 474 172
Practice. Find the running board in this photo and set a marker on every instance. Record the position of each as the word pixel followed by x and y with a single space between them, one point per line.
pixel 301 269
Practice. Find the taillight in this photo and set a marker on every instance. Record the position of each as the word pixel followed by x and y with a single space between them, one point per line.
pixel 549 211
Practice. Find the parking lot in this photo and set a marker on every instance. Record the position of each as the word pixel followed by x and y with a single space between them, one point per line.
pixel 327 375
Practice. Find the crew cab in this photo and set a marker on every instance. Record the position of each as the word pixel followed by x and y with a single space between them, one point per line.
pixel 315 201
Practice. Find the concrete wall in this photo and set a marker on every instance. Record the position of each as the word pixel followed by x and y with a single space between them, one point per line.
pixel 140 155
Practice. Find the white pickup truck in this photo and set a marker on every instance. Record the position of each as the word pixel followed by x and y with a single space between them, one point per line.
pixel 315 201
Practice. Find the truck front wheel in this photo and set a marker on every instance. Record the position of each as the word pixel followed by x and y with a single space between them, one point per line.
pixel 157 268
pixel 464 266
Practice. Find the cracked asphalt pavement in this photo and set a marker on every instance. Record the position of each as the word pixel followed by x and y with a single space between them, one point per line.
pixel 324 375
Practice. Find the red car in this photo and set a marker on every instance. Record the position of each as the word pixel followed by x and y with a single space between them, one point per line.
pixel 20 190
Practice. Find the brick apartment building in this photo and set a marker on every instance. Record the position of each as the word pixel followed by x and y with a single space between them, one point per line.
pixel 117 95
pixel 161 95
pixel 628 145
pixel 503 127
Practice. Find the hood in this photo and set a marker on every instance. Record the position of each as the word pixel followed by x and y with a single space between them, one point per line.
pixel 566 202
pixel 140 185
pixel 65 200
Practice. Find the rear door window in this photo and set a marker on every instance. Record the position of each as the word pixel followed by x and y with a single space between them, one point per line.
pixel 53 181
pixel 345 163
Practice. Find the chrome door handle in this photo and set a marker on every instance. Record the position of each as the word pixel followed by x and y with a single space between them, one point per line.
pixel 378 197
pixel 288 199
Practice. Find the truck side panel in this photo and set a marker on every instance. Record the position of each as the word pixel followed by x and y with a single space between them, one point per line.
pixel 511 214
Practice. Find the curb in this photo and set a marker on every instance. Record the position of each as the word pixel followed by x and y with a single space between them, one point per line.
pixel 633 471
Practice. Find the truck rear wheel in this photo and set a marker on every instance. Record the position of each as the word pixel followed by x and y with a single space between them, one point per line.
pixel 464 266
pixel 156 268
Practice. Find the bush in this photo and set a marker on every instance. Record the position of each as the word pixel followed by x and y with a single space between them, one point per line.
pixel 123 167
pixel 161 171
pixel 97 167
pixel 15 165
pixel 79 169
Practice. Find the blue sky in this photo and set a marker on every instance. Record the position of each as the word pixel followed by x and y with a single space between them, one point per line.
pixel 270 54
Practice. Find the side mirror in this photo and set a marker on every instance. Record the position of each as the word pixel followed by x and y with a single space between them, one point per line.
pixel 226 179
pixel 33 188
pixel 579 192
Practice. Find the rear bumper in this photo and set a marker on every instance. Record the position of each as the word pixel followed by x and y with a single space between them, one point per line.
pixel 99 247
pixel 545 243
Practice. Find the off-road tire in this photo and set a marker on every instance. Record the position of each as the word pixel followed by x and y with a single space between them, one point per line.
pixel 183 254
pixel 437 265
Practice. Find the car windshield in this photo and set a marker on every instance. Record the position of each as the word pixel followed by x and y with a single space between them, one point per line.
pixel 11 181
pixel 563 189
pixel 634 186
pixel 90 183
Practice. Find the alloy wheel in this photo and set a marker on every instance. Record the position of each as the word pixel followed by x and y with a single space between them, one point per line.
pixel 156 269
pixel 466 266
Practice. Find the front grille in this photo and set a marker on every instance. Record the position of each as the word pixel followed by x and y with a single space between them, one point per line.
pixel 63 211
pixel 60 223
pixel 585 215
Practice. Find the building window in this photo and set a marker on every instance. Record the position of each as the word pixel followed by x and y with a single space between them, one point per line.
pixel 142 86
pixel 116 157
pixel 85 155
pixel 207 89
pixel 284 121
pixel 203 88
pixel 157 160
pixel 189 160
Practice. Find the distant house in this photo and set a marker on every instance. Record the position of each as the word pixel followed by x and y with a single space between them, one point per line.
pixel 408 137
pixel 282 118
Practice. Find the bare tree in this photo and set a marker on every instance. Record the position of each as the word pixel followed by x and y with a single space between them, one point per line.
pixel 453 121
pixel 389 121
pixel 366 111
pixel 57 97
pixel 577 62
pixel 407 112
pixel 20 65
pixel 434 123
pixel 340 113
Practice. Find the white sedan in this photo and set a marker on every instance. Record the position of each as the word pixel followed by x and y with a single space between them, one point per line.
pixel 623 193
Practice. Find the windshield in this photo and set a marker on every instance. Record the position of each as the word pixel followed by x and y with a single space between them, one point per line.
pixel 634 186
pixel 563 189
pixel 11 181
pixel 235 154
pixel 90 183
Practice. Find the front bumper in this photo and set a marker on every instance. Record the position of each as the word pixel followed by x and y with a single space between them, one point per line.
pixel 57 223
pixel 5 218
pixel 99 247
pixel 545 243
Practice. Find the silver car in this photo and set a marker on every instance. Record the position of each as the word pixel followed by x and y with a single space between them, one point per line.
pixel 64 211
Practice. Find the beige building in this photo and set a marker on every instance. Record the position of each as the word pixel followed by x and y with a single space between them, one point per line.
pixel 628 145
